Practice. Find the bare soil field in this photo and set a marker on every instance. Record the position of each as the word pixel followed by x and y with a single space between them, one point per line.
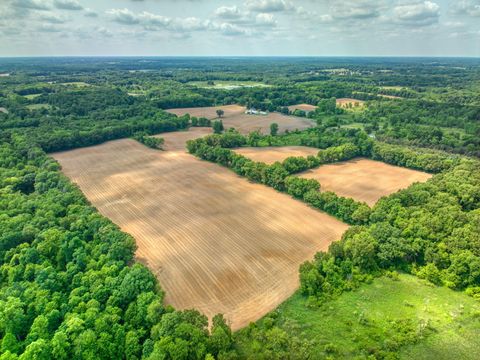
pixel 344 102
pixel 177 140
pixel 216 242
pixel 303 107
pixel 364 179
pixel 271 154
pixel 209 112
pixel 245 123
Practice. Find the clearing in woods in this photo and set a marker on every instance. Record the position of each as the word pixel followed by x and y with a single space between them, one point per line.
pixel 245 123
pixel 347 102
pixel 216 242
pixel 304 107
pixel 209 112
pixel 364 179
pixel 271 154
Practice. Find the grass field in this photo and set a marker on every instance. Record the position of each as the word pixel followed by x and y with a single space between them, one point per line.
pixel 227 85
pixel 364 179
pixel 407 315
pixel 247 123
pixel 216 242
pixel 209 112
pixel 271 154
pixel 31 96
pixel 38 106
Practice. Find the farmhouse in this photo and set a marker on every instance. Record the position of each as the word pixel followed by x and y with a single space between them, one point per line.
pixel 253 111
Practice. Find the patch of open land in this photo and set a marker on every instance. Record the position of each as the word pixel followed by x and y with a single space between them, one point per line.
pixel 227 85
pixel 209 112
pixel 245 123
pixel 364 179
pixel 216 242
pixel 177 140
pixel 348 102
pixel 271 154
pixel 304 107
pixel 3 110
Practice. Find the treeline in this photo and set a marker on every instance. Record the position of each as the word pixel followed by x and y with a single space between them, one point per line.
pixel 68 286
pixel 149 141
pixel 215 148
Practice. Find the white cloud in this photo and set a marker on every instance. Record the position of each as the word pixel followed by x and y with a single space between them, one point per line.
pixel 30 4
pixel 68 5
pixel 467 7
pixel 269 6
pixel 419 14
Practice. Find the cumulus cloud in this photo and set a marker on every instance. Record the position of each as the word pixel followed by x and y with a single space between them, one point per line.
pixel 68 5
pixel 269 6
pixel 467 7
pixel 357 9
pixel 419 14
pixel 30 4
pixel 229 12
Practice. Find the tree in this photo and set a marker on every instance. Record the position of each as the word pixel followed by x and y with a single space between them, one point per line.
pixel 220 113
pixel 218 126
pixel 273 129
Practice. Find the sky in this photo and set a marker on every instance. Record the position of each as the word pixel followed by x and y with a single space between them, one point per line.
pixel 240 28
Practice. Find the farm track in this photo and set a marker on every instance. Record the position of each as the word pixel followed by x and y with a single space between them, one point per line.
pixel 215 241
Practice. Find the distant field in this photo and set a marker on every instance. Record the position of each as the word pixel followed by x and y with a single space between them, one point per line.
pixel 303 107
pixel 364 179
pixel 347 102
pixel 3 110
pixel 246 123
pixel 209 112
pixel 31 96
pixel 177 140
pixel 389 96
pixel 271 154
pixel 227 85
pixel 38 106
pixel 216 242
pixel 358 323
pixel 76 83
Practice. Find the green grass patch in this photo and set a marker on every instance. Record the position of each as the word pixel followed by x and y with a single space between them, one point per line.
pixel 227 85
pixel 76 84
pixel 31 96
pixel 389 318
pixel 39 106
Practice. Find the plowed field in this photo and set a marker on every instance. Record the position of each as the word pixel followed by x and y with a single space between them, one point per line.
pixel 271 154
pixel 216 242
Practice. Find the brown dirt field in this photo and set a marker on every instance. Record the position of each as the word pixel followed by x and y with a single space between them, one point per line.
pixel 304 107
pixel 209 112
pixel 345 101
pixel 215 241
pixel 247 123
pixel 177 140
pixel 271 154
pixel 364 179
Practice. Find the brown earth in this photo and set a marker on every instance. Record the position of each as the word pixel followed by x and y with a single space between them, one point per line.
pixel 216 242
pixel 304 107
pixel 344 102
pixel 364 179
pixel 245 123
pixel 178 139
pixel 271 154
pixel 209 112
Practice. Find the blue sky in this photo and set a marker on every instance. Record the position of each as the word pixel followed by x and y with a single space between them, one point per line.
pixel 240 27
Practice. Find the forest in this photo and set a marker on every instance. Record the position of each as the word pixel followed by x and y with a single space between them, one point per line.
pixel 70 287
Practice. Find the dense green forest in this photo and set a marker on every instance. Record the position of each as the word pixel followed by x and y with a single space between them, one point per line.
pixel 70 288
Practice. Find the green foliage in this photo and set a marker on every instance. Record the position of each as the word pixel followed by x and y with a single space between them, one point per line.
pixel 273 129
pixel 151 142
pixel 218 126
pixel 70 288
